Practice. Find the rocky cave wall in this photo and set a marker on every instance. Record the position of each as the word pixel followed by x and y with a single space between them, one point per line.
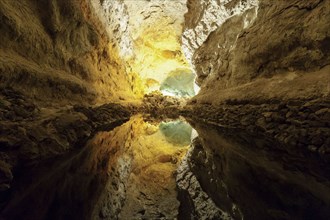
pixel 58 57
pixel 90 51
pixel 58 51
pixel 259 49
pixel 147 36
pixel 55 54
pixel 263 66
pixel 153 30
pixel 241 50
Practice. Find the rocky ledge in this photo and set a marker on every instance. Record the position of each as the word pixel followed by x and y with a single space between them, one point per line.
pixel 302 125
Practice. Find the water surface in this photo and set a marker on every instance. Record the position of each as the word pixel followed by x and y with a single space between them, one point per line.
pixel 156 169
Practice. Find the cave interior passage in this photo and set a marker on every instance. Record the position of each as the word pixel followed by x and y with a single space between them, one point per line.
pixel 152 46
pixel 164 109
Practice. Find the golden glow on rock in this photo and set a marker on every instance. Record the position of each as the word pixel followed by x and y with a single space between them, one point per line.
pixel 157 52
pixel 144 45
pixel 146 36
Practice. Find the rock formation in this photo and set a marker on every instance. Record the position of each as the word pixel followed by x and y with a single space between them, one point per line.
pixel 59 51
pixel 263 65
pixel 69 69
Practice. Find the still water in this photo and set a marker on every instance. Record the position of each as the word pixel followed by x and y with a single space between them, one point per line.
pixel 167 169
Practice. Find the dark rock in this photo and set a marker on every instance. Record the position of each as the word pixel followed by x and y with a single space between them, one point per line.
pixel 325 116
pixel 303 115
pixel 6 176
pixel 295 122
pixel 322 111
pixel 324 149
pixel 277 117
pixel 317 123
pixel 317 140
pixel 313 116
pixel 312 148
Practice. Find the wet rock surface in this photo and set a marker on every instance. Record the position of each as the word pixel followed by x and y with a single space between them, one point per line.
pixel 302 125
pixel 195 202
pixel 263 67
pixel 73 186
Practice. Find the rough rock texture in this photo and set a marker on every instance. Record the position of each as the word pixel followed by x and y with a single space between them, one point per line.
pixel 162 106
pixel 302 125
pixel 155 29
pixel 53 55
pixel 59 51
pixel 262 41
pixel 204 17
pixel 264 66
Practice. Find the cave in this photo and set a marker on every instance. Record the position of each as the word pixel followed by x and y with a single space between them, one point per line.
pixel 165 109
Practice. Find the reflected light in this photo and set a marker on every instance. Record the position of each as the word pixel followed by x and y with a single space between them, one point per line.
pixel 141 157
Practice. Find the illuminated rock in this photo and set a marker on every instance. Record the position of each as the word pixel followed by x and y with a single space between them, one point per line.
pixel 179 83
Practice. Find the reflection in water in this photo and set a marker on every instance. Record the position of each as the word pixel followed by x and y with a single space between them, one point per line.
pixel 145 169
pixel 150 188
pixel 125 173
pixel 236 175
pixel 176 132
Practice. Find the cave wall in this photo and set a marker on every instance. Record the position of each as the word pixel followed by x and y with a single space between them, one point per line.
pixel 263 66
pixel 147 36
pixel 259 49
pixel 155 29
pixel 59 51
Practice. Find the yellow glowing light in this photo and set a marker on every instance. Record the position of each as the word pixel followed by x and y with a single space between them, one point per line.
pixel 157 52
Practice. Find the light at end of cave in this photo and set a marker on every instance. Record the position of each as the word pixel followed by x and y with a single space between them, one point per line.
pixel 160 62
pixel 177 83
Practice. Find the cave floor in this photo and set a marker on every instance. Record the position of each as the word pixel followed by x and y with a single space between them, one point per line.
pixel 149 168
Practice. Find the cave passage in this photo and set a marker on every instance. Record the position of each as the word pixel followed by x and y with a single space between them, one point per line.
pixel 147 168
pixel 150 44
pixel 164 109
